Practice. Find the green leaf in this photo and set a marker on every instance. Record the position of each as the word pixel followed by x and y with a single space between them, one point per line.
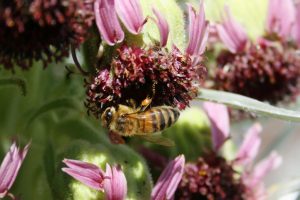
pixel 14 82
pixel 248 104
pixel 74 128
pixel 63 103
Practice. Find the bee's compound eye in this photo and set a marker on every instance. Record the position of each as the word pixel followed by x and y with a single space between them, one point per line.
pixel 108 116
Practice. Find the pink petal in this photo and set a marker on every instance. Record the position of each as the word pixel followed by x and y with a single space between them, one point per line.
pixel 263 168
pixel 7 159
pixel 107 21
pixel 3 193
pixel 115 187
pixel 77 164
pixel 130 12
pixel 268 164
pixel 232 33
pixel 163 27
pixel 265 42
pixel 220 125
pixel 271 16
pixel 250 145
pixel 87 173
pixel 168 181
pixel 198 31
pixel 256 192
pixel 281 17
pixel 297 25
pixel 289 18
pixel 226 38
pixel 213 33
pixel 10 167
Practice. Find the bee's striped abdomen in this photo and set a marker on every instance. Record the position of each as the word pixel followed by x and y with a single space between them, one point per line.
pixel 162 117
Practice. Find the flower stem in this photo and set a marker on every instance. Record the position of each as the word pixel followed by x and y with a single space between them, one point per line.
pixel 77 64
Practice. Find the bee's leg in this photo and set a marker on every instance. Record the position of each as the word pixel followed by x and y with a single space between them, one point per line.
pixel 115 138
pixel 145 104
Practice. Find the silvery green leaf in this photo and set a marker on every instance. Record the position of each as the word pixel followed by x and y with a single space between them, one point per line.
pixel 248 104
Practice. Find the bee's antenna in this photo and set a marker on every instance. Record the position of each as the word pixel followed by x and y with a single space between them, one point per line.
pixel 153 88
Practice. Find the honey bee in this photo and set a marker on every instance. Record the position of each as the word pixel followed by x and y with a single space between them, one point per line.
pixel 127 121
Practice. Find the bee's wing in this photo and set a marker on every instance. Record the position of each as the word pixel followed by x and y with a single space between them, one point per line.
pixel 138 115
pixel 143 115
pixel 157 138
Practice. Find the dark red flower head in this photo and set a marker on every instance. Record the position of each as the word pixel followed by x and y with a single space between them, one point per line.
pixel 135 73
pixel 41 30
pixel 264 72
pixel 211 177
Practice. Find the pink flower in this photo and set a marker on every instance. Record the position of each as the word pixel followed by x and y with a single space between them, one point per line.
pixel 112 182
pixel 253 178
pixel 281 17
pixel 163 27
pixel 250 146
pixel 232 33
pixel 219 119
pixel 10 167
pixel 263 168
pixel 169 179
pixel 130 12
pixel 198 31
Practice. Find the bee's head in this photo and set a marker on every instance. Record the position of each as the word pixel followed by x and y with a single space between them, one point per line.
pixel 108 116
